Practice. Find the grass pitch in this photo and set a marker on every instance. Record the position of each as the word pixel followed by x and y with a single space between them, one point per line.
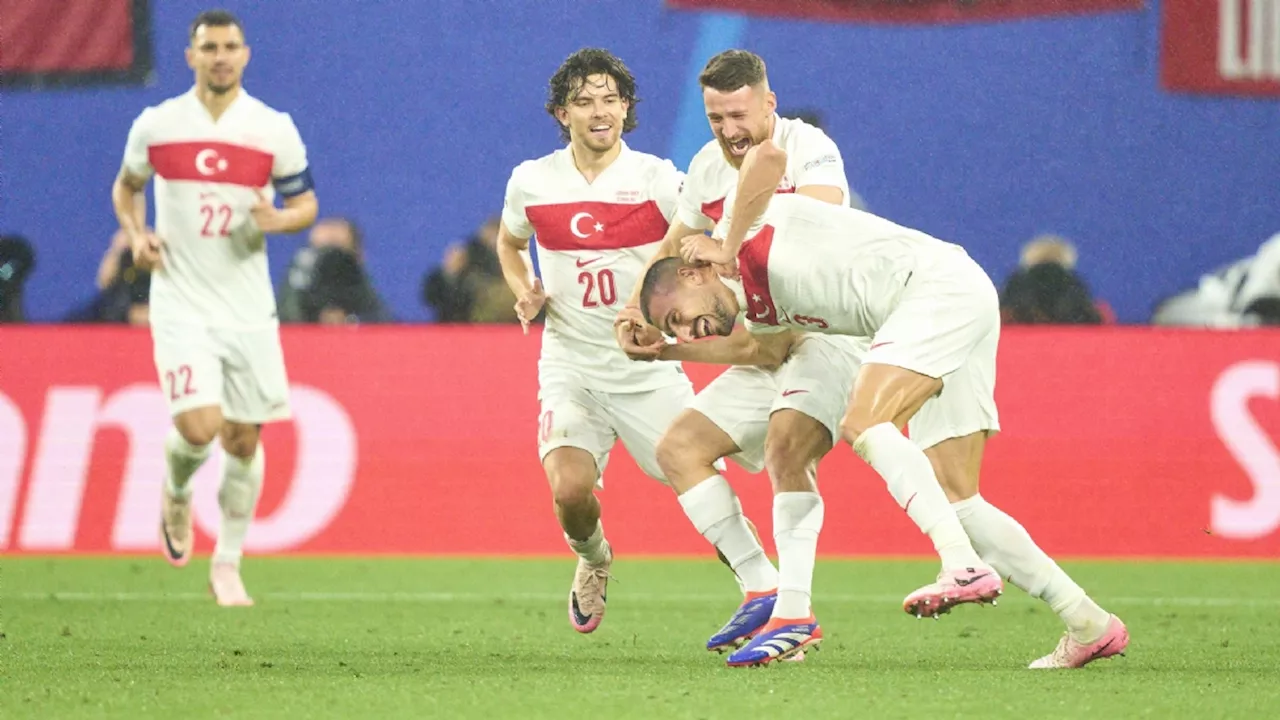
pixel 432 638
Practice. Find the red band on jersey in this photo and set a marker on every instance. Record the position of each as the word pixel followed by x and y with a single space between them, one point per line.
pixel 715 208
pixel 753 263
pixel 212 162
pixel 596 225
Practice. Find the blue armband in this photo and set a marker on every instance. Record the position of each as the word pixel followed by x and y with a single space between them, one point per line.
pixel 294 184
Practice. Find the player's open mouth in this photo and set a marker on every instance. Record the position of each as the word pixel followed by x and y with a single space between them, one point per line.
pixel 702 327
pixel 600 129
pixel 739 147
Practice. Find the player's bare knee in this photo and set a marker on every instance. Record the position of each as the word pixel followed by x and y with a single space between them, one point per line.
pixel 199 427
pixel 572 474
pixel 677 452
pixel 794 445
pixel 239 440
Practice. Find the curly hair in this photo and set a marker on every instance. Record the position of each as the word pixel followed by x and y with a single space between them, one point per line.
pixel 575 70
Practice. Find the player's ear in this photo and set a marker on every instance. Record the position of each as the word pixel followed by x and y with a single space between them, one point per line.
pixel 771 102
pixel 563 116
pixel 692 274
pixel 190 54
pixel 248 54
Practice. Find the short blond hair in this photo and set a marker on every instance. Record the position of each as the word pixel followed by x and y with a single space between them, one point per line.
pixel 1049 249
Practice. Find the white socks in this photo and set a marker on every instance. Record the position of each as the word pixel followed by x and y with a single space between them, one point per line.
pixel 797 520
pixel 238 497
pixel 716 513
pixel 590 550
pixel 1004 543
pixel 913 484
pixel 182 459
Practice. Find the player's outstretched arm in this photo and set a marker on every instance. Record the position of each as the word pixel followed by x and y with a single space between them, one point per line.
pixel 762 169
pixel 741 347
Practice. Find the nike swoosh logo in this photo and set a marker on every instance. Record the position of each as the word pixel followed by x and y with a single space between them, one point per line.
pixel 789 393
pixel 964 582
pixel 583 263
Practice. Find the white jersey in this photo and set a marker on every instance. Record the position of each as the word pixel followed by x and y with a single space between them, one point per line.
pixel 819 267
pixel 593 241
pixel 207 176
pixel 812 159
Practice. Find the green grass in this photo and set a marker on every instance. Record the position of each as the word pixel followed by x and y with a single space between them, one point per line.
pixel 376 638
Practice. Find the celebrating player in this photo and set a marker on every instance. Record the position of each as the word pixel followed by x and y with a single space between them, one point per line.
pixel 599 210
pixel 933 317
pixel 797 406
pixel 219 156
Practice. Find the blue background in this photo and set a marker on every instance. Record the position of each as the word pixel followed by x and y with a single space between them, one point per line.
pixel 415 112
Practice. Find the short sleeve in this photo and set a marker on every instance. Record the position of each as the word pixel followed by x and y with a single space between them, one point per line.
pixel 136 148
pixel 291 154
pixel 818 162
pixel 667 183
pixel 513 209
pixel 689 208
pixel 290 173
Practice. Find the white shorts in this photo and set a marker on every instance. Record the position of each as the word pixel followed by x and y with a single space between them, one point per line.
pixel 947 325
pixel 816 380
pixel 240 371
pixel 592 420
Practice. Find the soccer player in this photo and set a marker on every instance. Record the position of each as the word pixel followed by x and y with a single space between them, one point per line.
pixel 599 210
pixel 933 317
pixel 798 406
pixel 219 156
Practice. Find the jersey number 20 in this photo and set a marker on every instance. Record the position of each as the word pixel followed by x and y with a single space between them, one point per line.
pixel 600 289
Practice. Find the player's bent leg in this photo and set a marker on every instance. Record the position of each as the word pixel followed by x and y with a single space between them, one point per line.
pixel 686 453
pixel 186 449
pixel 795 444
pixel 1092 632
pixel 572 473
pixel 243 470
pixel 885 397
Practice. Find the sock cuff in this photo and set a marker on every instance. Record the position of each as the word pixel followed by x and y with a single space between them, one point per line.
pixel 965 508
pixel 798 511
pixel 595 536
pixel 873 436
pixel 710 503
pixel 245 464
pixel 177 444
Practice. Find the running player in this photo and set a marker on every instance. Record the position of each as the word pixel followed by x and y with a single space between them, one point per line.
pixel 933 317
pixel 598 210
pixel 219 156
pixel 797 406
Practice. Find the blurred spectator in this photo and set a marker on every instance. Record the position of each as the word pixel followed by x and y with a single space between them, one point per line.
pixel 468 286
pixel 17 260
pixel 128 298
pixel 1047 290
pixel 1242 294
pixel 123 292
pixel 340 234
pixel 339 291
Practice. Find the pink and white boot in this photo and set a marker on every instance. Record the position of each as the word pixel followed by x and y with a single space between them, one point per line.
pixel 1071 653
pixel 954 587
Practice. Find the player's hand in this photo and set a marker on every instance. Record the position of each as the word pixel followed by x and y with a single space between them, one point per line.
pixel 702 249
pixel 146 251
pixel 266 215
pixel 637 338
pixel 530 304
